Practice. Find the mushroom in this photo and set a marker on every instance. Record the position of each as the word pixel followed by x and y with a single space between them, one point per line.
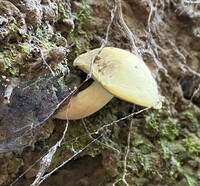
pixel 116 72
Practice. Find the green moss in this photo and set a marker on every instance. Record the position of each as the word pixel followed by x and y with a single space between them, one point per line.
pixel 188 175
pixel 189 115
pixel 191 141
pixel 8 66
pixel 162 126
pixel 77 139
pixel 83 17
pixel 13 26
pixel 192 145
pixel 165 149
pixel 15 58
pixel 44 35
pixel 25 48
pixel 189 119
pixel 62 11
pixel 141 143
pixel 79 34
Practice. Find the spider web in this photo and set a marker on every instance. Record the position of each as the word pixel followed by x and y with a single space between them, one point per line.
pixel 31 104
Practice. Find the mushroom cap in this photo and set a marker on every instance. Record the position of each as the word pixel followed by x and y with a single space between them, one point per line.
pixel 122 74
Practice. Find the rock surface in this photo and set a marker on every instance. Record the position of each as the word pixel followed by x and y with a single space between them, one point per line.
pixel 39 41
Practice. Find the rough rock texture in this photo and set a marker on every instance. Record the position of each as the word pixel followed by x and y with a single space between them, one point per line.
pixel 40 40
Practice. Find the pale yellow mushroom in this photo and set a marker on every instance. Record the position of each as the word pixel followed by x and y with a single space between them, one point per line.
pixel 122 74
pixel 116 72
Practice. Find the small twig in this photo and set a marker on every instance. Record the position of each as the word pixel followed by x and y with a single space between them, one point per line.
pixel 90 135
pixel 44 61
pixel 124 161
pixel 191 70
pixel 25 172
pixel 75 139
pixel 8 92
pixel 103 42
pixel 192 2
pixel 121 119
pixel 152 9
pixel 47 159
pixel 129 33
pixel 126 154
pixel 69 159
pixel 195 92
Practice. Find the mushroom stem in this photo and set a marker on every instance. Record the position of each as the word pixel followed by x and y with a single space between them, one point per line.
pixel 85 103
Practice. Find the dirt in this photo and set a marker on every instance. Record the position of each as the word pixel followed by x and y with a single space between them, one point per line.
pixel 39 41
